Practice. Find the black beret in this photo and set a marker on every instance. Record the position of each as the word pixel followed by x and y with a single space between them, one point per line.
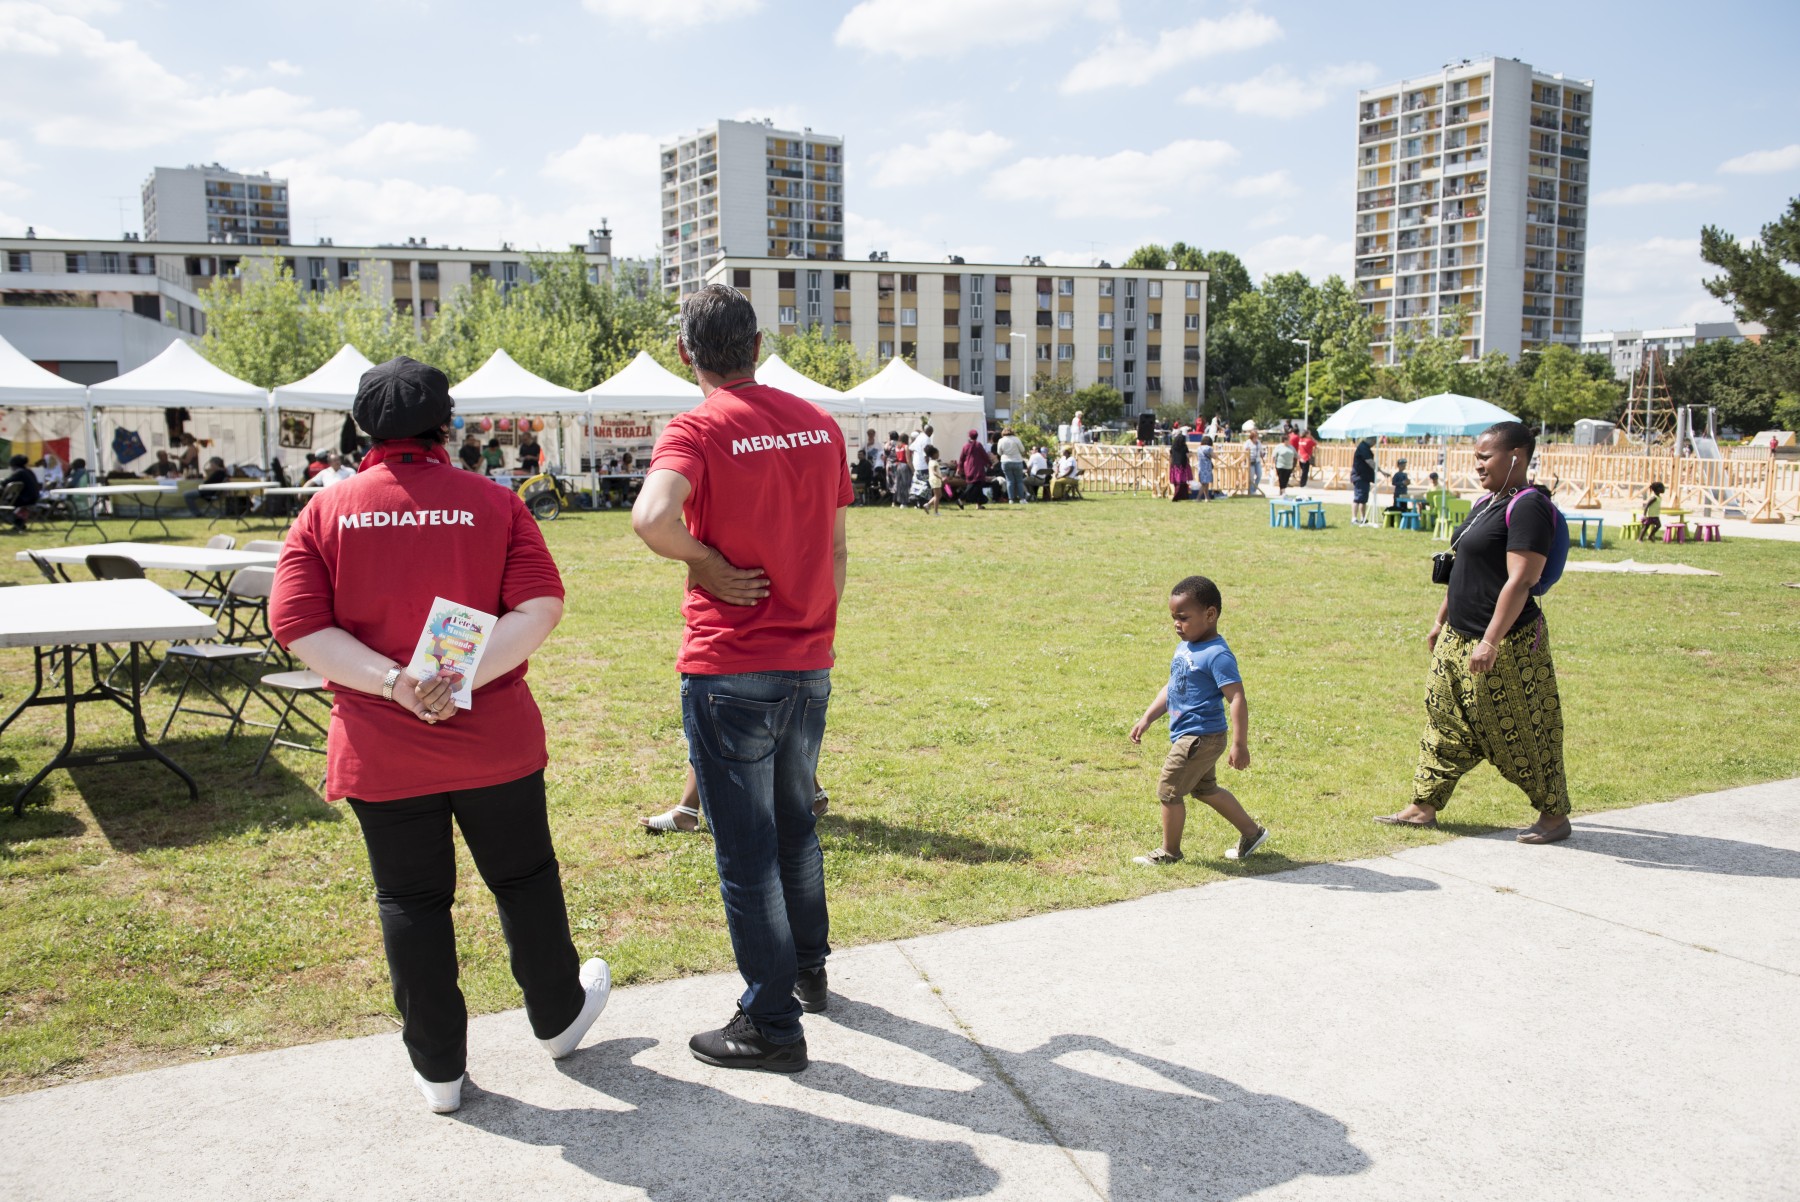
pixel 401 398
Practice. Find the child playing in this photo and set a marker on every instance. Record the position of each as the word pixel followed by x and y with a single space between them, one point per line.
pixel 1203 681
pixel 936 478
pixel 1652 525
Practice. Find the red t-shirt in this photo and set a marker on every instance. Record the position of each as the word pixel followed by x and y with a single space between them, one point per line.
pixel 314 468
pixel 769 474
pixel 368 555
pixel 1306 447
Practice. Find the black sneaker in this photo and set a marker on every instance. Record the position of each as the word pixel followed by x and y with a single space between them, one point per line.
pixel 809 988
pixel 738 1044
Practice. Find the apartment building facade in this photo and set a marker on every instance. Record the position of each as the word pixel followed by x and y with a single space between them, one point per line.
pixel 213 204
pixel 991 328
pixel 1472 195
pixel 161 282
pixel 746 188
pixel 1627 348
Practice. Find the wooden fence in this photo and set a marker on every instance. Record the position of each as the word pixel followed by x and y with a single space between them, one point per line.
pixel 1761 487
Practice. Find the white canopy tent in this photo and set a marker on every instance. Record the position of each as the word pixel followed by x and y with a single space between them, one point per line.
pixel 777 372
pixel 39 409
pixel 501 389
pixel 631 407
pixel 899 398
pixel 330 389
pixel 227 415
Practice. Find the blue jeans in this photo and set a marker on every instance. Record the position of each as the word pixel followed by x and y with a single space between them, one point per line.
pixel 753 740
pixel 1014 471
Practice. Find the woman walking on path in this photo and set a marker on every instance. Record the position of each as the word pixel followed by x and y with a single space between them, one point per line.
pixel 1492 693
pixel 1203 471
pixel 352 593
pixel 1181 472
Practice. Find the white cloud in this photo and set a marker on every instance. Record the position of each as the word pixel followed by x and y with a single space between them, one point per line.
pixel 863 235
pixel 282 67
pixel 527 39
pixel 946 28
pixel 1647 284
pixel 946 154
pixel 1131 183
pixel 393 143
pixel 1126 61
pixel 1092 257
pixel 1764 162
pixel 1278 92
pixel 1644 194
pixel 661 17
pixel 615 176
pixel 70 85
pixel 1316 254
pixel 1271 184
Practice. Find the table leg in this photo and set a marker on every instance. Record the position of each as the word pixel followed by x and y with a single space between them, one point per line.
pixel 137 729
pixel 37 687
pixel 61 757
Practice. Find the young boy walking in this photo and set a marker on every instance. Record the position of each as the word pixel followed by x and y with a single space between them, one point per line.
pixel 1203 683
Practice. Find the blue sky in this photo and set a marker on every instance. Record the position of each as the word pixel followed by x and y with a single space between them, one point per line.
pixel 1073 129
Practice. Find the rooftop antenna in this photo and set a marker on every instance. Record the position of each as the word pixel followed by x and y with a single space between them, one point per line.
pixel 121 202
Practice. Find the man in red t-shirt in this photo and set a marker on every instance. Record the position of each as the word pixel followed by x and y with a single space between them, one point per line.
pixel 1305 446
pixel 750 490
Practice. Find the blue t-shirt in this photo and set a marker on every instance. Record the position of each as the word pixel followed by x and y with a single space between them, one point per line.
pixel 1197 677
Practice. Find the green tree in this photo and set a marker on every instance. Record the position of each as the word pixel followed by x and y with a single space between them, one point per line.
pixel 261 327
pixel 818 353
pixel 1561 391
pixel 1052 400
pixel 1099 403
pixel 1759 280
pixel 1747 382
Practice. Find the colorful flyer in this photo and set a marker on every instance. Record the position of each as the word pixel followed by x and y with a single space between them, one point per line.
pixel 451 645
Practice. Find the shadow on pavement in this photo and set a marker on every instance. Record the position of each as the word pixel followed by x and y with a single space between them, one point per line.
pixel 1687 853
pixel 1344 878
pixel 1173 1132
pixel 687 1141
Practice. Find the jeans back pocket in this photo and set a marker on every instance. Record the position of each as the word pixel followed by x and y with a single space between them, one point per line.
pixel 745 730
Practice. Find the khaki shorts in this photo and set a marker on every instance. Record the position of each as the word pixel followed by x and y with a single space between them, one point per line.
pixel 1191 767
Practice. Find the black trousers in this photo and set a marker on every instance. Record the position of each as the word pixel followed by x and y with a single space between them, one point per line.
pixel 1305 472
pixel 414 861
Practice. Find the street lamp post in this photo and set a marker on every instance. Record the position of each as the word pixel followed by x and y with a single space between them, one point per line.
pixel 1026 338
pixel 1306 411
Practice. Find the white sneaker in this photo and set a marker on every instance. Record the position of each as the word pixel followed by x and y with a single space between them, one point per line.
pixel 442 1096
pixel 596 978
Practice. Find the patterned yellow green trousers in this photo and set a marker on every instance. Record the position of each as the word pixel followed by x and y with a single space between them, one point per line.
pixel 1509 716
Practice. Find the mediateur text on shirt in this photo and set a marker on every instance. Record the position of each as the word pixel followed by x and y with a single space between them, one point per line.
pixel 405 517
pixel 791 441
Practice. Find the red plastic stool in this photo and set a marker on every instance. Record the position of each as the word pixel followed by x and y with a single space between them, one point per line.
pixel 1675 532
pixel 1707 532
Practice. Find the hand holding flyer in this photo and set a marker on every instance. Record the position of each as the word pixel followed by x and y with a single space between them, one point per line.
pixel 451 645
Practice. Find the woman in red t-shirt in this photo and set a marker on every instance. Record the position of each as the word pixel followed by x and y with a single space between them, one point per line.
pixel 351 597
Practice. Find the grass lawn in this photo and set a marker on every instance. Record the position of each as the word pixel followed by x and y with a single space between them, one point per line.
pixel 990 666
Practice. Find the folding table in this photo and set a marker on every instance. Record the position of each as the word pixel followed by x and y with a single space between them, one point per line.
pixel 201 561
pixel 58 620
pixel 301 495
pixel 103 491
pixel 246 488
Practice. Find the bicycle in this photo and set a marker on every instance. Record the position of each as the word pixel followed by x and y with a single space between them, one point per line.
pixel 546 495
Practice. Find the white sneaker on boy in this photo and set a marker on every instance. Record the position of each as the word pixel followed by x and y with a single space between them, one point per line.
pixel 596 978
pixel 442 1096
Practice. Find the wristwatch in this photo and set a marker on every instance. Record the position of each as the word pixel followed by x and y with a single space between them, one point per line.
pixel 389 681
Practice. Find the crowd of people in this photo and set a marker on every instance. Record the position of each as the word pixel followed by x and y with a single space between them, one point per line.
pixel 910 471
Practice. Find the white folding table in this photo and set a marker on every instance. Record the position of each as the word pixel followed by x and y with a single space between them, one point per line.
pixel 168 557
pixel 104 492
pixel 58 620
pixel 245 488
pixel 301 495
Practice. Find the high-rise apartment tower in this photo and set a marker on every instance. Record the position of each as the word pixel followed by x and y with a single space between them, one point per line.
pixel 1472 197
pixel 211 204
pixel 746 188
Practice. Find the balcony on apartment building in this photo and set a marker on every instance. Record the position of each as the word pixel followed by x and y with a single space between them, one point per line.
pixel 1375 200
pixel 1376 267
pixel 1571 151
pixel 1549 121
pixel 1578 102
pixel 1371 246
pixel 1415 239
pixel 1377 133
pixel 1468 210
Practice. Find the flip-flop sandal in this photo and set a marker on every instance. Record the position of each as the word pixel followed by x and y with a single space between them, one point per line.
pixel 1537 837
pixel 821 803
pixel 664 823
pixel 1396 820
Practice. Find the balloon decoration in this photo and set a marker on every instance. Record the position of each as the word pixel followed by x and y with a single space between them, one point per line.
pixel 504 423
pixel 456 423
pixel 487 423
pixel 537 423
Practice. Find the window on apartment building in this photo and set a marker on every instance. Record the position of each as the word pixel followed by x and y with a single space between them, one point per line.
pixel 1003 318
pixel 784 279
pixel 1152 383
pixel 1130 373
pixel 975 378
pixel 952 380
pixel 884 284
pixel 1106 352
pixel 884 317
pixel 143 265
pixel 841 314
pixel 350 269
pixel 909 317
pixel 886 350
pixel 1191 321
pixel 1065 286
pixel 908 350
pixel 1002 351
pixel 1190 384
pixel 952 285
pixel 428 273
pixel 1153 353
pixel 1003 383
pixel 1044 301
pixel 975 283
pixel 1065 352
pixel 977 345
pixel 740 277
pixel 1044 319
pixel 1065 320
pixel 1153 321
pixel 909 283
pixel 1191 289
pixel 1106 321
pixel 952 351
pixel 1131 287
pixel 788 315
pixel 1191 354
pixel 1043 352
pixel 109 262
pixel 1002 283
pixel 1045 284
pixel 1106 287
pixel 952 317
pixel 18 260
pixel 840 281
pixel 1155 291
pixel 1131 346
pixel 147 306
pixel 74 261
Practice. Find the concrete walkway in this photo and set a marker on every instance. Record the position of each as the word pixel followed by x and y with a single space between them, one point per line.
pixel 1608 1018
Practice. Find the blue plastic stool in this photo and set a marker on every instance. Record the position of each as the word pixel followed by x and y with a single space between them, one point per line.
pixel 1282 513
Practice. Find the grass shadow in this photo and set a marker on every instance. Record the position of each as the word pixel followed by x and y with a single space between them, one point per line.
pixel 141 806
pixel 872 835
